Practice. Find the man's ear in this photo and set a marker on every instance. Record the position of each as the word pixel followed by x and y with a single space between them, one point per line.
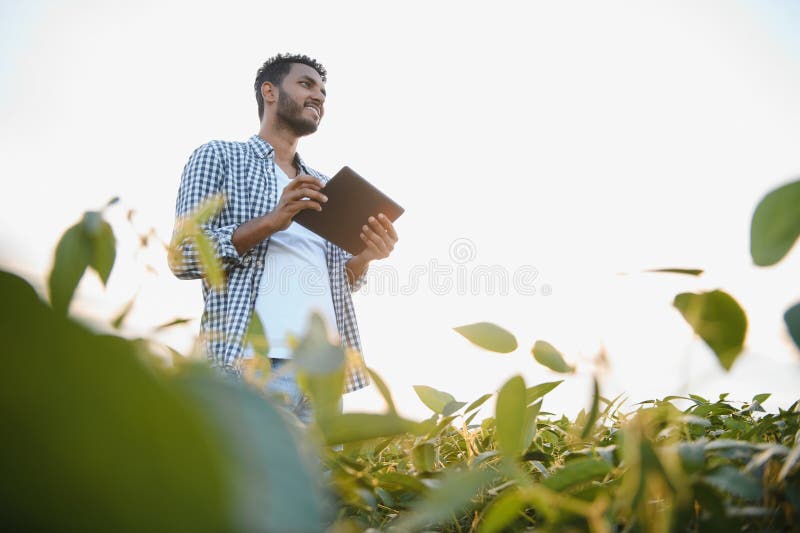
pixel 269 92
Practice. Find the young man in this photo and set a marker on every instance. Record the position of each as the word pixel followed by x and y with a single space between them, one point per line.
pixel 272 264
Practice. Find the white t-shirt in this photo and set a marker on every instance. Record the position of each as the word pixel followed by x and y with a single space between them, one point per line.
pixel 295 283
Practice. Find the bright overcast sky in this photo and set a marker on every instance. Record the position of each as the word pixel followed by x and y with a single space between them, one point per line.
pixel 574 140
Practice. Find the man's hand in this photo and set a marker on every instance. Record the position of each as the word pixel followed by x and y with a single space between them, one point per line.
pixel 380 237
pixel 289 204
pixel 291 201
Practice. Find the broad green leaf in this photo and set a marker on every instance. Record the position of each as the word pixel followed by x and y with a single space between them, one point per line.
pixel 423 456
pixel 73 255
pixel 575 472
pixel 761 398
pixel 510 418
pixel 454 494
pixel 792 319
pixel 776 225
pixel 477 403
pixel 489 337
pixel 383 389
pixel 452 407
pixel 593 412
pixel 104 245
pixel 351 427
pixel 435 400
pixel 537 391
pixel 686 271
pixel 718 319
pixel 502 511
pixel 185 444
pixel 320 369
pixel 732 481
pixel 548 356
pixel 529 424
pixel 399 481
pixel 256 337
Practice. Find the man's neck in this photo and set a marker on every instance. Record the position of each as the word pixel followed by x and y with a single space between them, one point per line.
pixel 283 141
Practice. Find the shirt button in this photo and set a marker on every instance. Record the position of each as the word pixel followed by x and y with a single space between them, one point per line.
pixel 259 263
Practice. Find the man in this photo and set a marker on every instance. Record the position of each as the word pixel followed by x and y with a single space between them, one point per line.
pixel 265 184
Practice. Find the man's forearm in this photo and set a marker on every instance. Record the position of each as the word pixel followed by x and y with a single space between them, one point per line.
pixel 355 267
pixel 252 232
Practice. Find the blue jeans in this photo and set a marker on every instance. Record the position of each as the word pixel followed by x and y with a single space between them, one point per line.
pixel 283 383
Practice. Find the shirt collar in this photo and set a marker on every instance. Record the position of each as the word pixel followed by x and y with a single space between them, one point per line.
pixel 263 150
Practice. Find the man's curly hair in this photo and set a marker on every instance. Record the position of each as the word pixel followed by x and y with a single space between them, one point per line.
pixel 277 67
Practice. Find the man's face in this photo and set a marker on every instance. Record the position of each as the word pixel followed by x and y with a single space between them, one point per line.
pixel 301 98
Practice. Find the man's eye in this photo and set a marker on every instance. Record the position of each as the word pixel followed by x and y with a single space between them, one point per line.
pixel 305 83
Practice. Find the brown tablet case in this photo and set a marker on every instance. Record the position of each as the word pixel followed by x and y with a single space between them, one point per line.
pixel 351 201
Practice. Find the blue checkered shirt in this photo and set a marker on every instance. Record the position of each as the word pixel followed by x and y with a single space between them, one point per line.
pixel 245 173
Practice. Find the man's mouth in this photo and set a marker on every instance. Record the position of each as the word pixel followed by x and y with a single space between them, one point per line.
pixel 315 109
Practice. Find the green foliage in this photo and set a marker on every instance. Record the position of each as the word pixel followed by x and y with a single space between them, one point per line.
pixel 88 244
pixel 489 337
pixel 547 355
pixel 718 319
pixel 776 225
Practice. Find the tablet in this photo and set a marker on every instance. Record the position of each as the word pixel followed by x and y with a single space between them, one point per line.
pixel 351 201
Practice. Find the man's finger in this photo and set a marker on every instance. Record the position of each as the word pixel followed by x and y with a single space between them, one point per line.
pixel 388 226
pixel 305 179
pixel 378 239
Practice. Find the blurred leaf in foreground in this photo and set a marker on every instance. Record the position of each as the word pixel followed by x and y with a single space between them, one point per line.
pixel 776 225
pixel 435 400
pixel 718 319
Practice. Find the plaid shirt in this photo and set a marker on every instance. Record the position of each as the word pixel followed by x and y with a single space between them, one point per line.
pixel 245 173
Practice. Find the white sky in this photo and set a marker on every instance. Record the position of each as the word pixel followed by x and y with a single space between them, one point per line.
pixel 582 139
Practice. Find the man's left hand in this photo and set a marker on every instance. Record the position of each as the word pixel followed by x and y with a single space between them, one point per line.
pixel 380 237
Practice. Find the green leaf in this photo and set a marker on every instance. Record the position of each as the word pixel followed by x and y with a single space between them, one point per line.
pixel 791 459
pixel 477 403
pixel 537 391
pixel 352 427
pixel 73 255
pixel 489 337
pixel 575 472
pixel 510 418
pixel 547 355
pixel 792 319
pixel 593 412
pixel 256 337
pixel 718 319
pixel 103 242
pixel 729 479
pixel 761 398
pixel 116 323
pixel 685 271
pixel 423 456
pixel 776 225
pixel 452 407
pixel 454 494
pixel 173 322
pixel 502 511
pixel 209 260
pixel 435 400
pixel 383 389
pixel 320 369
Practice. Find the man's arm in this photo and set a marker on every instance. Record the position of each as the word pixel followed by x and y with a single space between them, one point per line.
pixel 201 179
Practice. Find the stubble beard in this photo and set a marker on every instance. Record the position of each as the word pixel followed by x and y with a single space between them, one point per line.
pixel 290 114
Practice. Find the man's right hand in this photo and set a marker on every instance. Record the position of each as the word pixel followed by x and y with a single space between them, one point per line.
pixel 292 200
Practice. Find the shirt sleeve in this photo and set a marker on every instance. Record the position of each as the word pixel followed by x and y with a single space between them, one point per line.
pixel 362 279
pixel 202 178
